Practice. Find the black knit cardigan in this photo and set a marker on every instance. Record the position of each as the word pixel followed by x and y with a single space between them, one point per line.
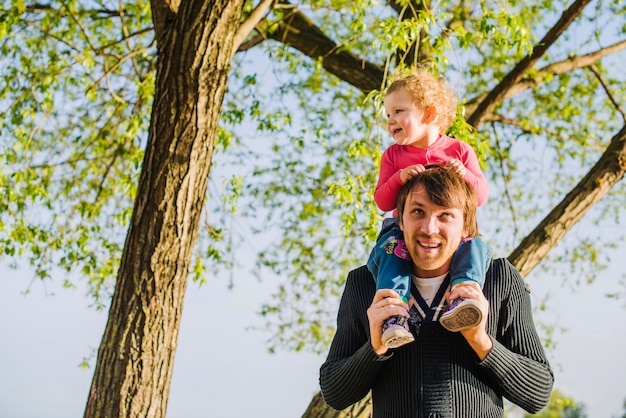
pixel 439 375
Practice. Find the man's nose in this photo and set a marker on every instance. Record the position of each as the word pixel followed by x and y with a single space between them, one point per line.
pixel 430 225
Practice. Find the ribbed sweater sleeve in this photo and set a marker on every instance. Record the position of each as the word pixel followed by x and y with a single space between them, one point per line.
pixel 353 365
pixel 517 361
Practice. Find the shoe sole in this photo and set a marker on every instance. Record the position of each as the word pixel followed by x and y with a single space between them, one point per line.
pixel 397 338
pixel 463 317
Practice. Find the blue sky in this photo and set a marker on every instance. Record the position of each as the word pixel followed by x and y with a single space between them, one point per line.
pixel 223 370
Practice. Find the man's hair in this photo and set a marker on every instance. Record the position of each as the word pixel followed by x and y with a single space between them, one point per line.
pixel 428 90
pixel 447 189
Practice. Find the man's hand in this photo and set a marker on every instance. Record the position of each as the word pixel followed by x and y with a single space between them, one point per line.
pixel 477 336
pixel 386 304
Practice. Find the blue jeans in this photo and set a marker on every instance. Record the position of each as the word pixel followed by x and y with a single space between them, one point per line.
pixel 390 262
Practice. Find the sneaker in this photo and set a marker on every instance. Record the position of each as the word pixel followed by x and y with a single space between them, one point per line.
pixel 396 332
pixel 462 314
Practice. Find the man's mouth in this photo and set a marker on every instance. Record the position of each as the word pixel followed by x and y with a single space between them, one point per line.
pixel 429 245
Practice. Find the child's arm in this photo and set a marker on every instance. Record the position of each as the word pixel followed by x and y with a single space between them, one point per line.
pixel 474 175
pixel 394 172
pixel 389 184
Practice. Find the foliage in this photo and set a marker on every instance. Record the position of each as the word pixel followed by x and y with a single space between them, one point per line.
pixel 561 406
pixel 547 121
pixel 299 146
pixel 78 83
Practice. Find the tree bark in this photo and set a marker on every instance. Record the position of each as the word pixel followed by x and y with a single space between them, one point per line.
pixel 318 409
pixel 607 171
pixel 299 32
pixel 136 355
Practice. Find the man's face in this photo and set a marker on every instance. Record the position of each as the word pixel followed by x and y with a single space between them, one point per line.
pixel 432 233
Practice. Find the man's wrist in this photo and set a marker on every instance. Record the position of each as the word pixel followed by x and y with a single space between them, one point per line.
pixel 480 342
pixel 483 346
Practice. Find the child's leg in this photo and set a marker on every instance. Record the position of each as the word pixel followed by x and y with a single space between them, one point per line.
pixel 390 265
pixel 469 263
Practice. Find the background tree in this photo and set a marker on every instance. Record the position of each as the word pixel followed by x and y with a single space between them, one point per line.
pixel 110 120
pixel 561 406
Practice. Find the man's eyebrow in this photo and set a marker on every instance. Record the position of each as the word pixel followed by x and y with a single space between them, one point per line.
pixel 410 202
pixel 419 203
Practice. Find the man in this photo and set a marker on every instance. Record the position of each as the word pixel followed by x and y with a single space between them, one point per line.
pixel 441 374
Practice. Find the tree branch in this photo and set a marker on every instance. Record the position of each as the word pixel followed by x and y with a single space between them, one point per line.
pixel 560 67
pixel 498 94
pixel 607 171
pixel 298 31
pixel 605 86
pixel 106 13
pixel 252 42
pixel 163 13
pixel 251 22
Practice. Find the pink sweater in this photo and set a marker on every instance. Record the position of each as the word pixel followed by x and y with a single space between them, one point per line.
pixel 397 157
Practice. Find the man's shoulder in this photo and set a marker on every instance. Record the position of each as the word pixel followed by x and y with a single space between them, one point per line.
pixel 361 273
pixel 501 267
pixel 501 263
pixel 504 276
pixel 360 287
pixel 361 278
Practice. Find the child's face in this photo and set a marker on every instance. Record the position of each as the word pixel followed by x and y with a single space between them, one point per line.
pixel 407 124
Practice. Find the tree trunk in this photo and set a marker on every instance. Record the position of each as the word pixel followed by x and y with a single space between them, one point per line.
pixel 318 409
pixel 136 355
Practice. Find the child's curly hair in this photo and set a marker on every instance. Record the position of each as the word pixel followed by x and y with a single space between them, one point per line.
pixel 428 90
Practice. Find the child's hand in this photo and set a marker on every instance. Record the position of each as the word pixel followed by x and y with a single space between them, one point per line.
pixel 457 166
pixel 409 172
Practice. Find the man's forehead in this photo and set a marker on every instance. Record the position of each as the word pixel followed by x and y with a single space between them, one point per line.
pixel 419 197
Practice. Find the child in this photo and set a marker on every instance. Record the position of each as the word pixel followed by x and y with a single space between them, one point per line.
pixel 419 108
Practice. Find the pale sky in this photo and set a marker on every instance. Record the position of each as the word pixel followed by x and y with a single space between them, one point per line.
pixel 223 370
